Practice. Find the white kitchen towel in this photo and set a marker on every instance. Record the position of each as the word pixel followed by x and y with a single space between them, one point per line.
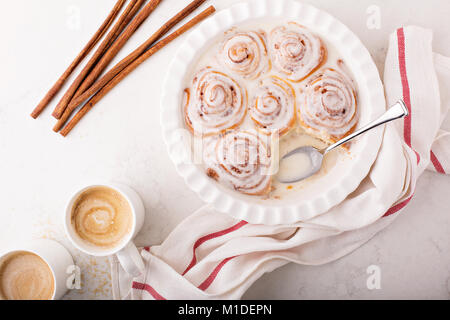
pixel 213 256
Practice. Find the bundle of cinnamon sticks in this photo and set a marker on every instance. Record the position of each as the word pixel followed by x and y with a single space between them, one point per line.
pixel 90 86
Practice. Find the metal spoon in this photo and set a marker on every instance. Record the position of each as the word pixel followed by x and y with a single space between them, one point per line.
pixel 397 111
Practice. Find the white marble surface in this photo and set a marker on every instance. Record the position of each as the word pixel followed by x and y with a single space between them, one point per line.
pixel 121 140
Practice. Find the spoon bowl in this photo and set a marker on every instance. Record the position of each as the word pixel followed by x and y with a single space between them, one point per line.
pixel 306 157
pixel 305 161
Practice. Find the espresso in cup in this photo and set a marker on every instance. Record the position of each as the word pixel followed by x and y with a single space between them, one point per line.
pixel 102 217
pixel 25 276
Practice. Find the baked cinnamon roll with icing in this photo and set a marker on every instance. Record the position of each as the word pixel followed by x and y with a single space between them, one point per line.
pixel 240 160
pixel 245 54
pixel 328 104
pixel 273 106
pixel 295 51
pixel 214 103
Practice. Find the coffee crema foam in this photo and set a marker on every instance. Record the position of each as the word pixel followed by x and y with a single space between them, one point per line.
pixel 25 276
pixel 102 217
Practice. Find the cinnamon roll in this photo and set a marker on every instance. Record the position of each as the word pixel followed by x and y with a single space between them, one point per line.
pixel 245 54
pixel 328 104
pixel 273 106
pixel 242 161
pixel 214 103
pixel 295 51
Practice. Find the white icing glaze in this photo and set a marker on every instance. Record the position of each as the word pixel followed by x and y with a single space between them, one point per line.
pixel 293 167
pixel 244 54
pixel 241 160
pixel 295 51
pixel 215 103
pixel 328 104
pixel 273 106
pixel 293 140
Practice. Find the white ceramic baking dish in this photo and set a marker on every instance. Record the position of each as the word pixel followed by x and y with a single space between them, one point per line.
pixel 325 192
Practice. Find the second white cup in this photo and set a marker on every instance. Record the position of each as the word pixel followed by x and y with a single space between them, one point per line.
pixel 58 260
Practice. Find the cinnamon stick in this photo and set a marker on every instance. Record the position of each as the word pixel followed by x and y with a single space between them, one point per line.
pixel 115 48
pixel 125 72
pixel 84 52
pixel 110 38
pixel 126 61
pixel 123 24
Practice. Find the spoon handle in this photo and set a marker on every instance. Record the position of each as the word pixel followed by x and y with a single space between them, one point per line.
pixel 397 111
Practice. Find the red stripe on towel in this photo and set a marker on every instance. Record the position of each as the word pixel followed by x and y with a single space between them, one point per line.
pixel 397 207
pixel 205 284
pixel 405 84
pixel 417 155
pixel 406 89
pixel 209 237
pixel 437 165
pixel 407 99
pixel 149 289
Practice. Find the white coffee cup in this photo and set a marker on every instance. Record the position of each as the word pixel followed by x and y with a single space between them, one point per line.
pixel 55 255
pixel 126 251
